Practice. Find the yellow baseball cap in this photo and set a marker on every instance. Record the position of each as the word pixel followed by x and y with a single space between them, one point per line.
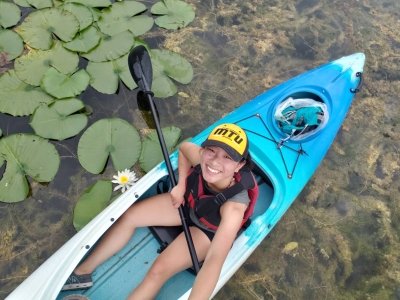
pixel 231 138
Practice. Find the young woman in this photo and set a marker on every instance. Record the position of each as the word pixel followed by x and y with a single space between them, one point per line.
pixel 219 160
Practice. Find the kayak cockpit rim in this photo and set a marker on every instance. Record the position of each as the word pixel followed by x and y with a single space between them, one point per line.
pixel 315 94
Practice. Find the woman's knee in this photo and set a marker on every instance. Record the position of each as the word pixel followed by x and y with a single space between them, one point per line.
pixel 159 271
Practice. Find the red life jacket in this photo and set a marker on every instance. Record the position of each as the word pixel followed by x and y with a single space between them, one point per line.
pixel 206 207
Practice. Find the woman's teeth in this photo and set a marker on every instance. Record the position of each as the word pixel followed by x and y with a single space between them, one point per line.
pixel 212 170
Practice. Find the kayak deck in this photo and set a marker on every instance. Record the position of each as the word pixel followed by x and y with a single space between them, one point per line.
pixel 116 278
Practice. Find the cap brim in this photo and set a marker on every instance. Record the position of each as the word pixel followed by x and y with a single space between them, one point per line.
pixel 232 153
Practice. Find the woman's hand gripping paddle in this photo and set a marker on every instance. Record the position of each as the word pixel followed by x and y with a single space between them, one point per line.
pixel 140 67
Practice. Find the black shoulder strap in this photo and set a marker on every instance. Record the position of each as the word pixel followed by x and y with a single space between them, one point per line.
pixel 245 182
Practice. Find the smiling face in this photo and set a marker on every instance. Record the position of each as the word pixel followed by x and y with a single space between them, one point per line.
pixel 218 168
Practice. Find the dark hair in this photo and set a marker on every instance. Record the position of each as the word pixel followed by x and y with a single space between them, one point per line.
pixel 248 162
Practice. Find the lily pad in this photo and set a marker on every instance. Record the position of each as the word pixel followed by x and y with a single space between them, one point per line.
pixel 121 17
pixel 38 27
pixel 82 13
pixel 166 65
pixel 11 44
pixel 105 76
pixel 91 3
pixel 151 153
pixel 109 137
pixel 18 98
pixel 39 4
pixel 111 47
pixel 26 155
pixel 139 25
pixel 9 14
pixel 96 12
pixel 32 66
pixel 84 41
pixel 22 3
pixel 61 86
pixel 175 14
pixel 91 203
pixel 59 120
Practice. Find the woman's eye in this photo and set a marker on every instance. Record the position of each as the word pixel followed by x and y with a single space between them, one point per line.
pixel 228 157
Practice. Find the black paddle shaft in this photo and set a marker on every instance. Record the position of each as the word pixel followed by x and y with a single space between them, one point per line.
pixel 141 70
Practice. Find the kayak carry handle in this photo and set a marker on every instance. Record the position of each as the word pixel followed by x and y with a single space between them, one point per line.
pixel 358 88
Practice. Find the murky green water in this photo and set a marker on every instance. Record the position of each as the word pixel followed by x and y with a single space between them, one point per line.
pixel 346 221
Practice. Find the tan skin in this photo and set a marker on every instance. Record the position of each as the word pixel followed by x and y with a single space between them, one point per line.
pixel 161 210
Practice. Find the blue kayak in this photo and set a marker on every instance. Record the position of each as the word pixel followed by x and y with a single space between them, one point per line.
pixel 290 128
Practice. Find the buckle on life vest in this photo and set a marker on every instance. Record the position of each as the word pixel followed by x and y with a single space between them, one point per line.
pixel 220 199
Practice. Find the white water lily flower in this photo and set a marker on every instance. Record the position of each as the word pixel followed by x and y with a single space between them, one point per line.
pixel 125 179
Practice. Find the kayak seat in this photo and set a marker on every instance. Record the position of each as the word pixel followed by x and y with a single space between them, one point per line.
pixel 165 234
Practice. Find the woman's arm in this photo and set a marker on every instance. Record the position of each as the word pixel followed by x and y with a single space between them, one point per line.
pixel 206 280
pixel 189 155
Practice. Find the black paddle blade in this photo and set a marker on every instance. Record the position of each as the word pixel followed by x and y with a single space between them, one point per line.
pixel 143 101
pixel 140 66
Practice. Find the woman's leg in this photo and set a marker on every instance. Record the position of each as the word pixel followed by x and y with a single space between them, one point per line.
pixel 155 211
pixel 175 258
